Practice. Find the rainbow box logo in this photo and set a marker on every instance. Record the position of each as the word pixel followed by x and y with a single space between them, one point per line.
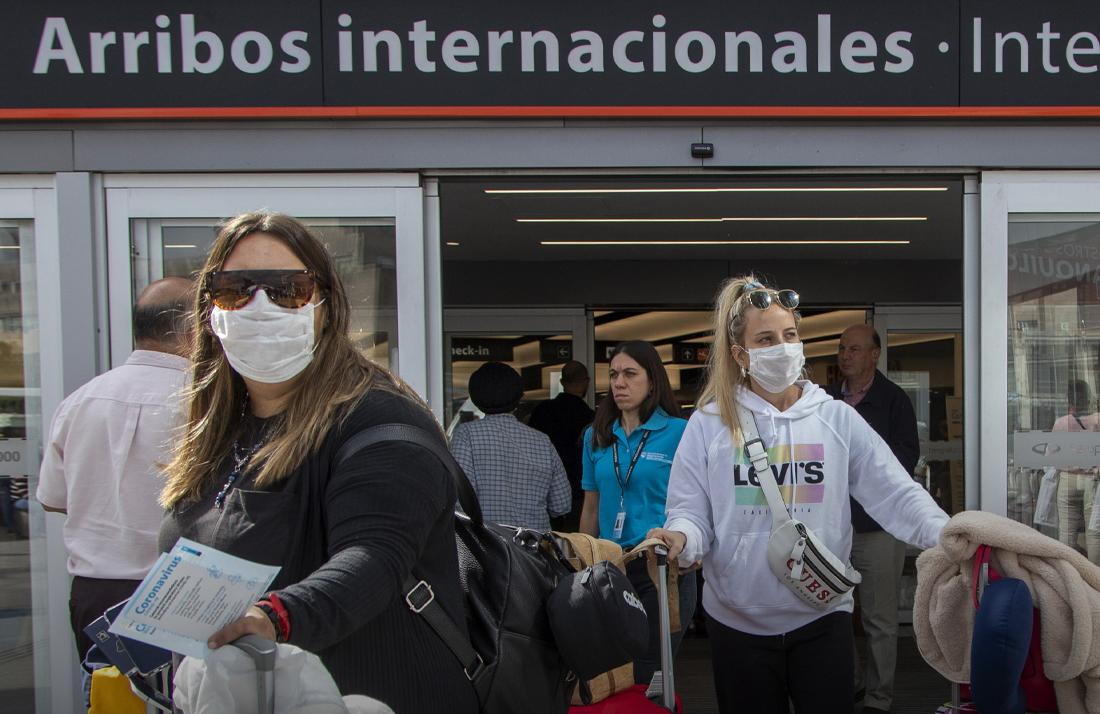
pixel 799 470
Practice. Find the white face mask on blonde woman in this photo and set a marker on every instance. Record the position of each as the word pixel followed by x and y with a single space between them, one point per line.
pixel 777 367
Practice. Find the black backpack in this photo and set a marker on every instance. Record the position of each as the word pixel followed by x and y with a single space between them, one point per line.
pixel 507 575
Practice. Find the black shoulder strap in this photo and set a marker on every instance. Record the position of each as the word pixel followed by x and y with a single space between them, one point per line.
pixel 418 593
pixel 467 498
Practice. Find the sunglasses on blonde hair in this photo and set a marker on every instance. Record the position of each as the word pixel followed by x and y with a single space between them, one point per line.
pixel 232 289
pixel 761 297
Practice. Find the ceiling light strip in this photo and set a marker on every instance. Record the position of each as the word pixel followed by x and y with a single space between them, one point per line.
pixel 727 219
pixel 741 189
pixel 720 242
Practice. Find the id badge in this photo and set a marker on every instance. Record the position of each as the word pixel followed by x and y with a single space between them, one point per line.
pixel 620 521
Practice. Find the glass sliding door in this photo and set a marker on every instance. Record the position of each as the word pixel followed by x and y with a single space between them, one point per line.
pixel 922 353
pixel 1054 376
pixel 24 620
pixel 363 249
pixel 372 230
pixel 1041 341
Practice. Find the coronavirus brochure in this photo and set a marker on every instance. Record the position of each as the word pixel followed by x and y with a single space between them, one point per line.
pixel 191 593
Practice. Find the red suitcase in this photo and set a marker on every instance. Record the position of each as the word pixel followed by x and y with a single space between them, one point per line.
pixel 634 700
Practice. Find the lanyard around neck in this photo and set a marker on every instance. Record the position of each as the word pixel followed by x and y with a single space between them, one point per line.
pixel 623 483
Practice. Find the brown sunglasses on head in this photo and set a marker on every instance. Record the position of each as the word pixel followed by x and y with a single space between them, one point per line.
pixel 232 289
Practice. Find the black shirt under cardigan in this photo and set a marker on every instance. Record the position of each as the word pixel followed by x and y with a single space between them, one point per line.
pixel 888 410
pixel 346 539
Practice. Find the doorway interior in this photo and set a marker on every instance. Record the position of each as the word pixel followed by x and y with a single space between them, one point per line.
pixel 641 257
pixel 538 270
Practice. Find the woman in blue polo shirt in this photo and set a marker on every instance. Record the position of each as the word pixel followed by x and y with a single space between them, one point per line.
pixel 628 454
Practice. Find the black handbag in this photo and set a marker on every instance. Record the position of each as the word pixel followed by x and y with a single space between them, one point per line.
pixel 599 621
pixel 507 574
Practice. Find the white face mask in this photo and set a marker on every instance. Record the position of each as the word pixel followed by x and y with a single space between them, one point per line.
pixel 265 342
pixel 776 368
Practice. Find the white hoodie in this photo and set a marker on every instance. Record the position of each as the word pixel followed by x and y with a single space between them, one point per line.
pixel 715 499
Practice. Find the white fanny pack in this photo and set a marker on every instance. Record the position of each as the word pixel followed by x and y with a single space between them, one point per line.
pixel 795 555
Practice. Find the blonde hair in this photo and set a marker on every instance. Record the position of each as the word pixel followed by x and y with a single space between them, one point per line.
pixel 326 392
pixel 724 374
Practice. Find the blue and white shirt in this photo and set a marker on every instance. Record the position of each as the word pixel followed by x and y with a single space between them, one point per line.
pixel 515 470
pixel 643 498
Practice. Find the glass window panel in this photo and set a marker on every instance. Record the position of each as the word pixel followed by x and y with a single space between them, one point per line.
pixel 20 442
pixel 184 248
pixel 928 366
pixel 364 251
pixel 1054 375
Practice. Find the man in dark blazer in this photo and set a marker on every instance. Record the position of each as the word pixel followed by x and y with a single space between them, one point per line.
pixel 563 419
pixel 877 555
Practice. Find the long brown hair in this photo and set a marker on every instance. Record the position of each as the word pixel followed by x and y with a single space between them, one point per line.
pixel 326 390
pixel 660 393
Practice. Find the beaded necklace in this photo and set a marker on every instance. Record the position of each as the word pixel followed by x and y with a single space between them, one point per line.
pixel 239 462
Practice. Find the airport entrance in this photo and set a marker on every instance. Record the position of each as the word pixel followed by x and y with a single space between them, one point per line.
pixel 538 271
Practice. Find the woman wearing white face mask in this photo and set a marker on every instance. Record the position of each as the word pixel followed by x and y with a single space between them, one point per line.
pixel 769 646
pixel 277 389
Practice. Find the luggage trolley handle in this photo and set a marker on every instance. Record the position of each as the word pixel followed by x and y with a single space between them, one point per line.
pixel 262 651
pixel 668 684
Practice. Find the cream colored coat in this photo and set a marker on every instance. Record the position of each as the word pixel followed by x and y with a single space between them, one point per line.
pixel 1064 586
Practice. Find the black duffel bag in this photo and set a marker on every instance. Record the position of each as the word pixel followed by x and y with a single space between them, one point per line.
pixel 599 621
pixel 507 575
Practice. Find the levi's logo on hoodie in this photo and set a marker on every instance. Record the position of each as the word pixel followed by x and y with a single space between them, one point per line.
pixel 799 471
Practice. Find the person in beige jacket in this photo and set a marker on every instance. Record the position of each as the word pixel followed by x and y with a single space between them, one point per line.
pixel 1064 586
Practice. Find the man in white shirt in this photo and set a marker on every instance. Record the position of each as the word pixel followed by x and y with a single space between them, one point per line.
pixel 102 465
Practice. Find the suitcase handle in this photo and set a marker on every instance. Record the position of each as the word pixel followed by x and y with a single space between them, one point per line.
pixel 669 686
pixel 262 651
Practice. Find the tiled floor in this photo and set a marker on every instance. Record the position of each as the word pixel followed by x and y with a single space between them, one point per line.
pixel 918 689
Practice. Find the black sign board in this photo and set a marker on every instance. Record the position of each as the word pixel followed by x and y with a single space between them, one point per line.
pixel 690 352
pixel 555 351
pixel 627 58
pixel 604 350
pixel 476 349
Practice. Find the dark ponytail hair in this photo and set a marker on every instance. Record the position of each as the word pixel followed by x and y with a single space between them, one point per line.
pixel 660 393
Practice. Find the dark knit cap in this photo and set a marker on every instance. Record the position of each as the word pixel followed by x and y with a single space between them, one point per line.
pixel 496 388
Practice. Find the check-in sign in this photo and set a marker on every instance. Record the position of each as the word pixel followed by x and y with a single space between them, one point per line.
pixel 1057 449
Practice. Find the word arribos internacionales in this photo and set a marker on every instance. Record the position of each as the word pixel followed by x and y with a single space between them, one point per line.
pixel 179 46
pixel 186 48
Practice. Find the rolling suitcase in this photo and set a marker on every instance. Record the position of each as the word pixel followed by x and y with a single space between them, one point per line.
pixel 634 700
